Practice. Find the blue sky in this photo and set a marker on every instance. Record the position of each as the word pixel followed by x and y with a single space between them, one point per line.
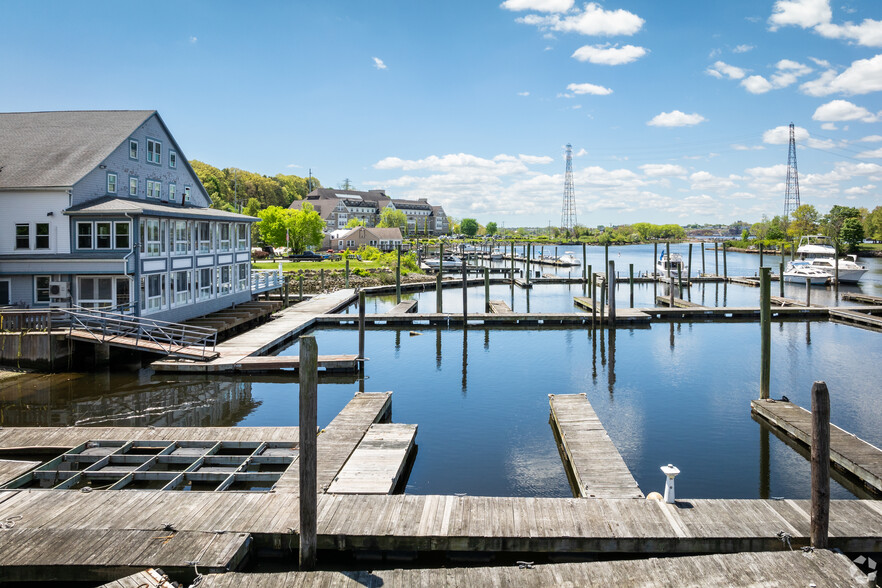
pixel 677 111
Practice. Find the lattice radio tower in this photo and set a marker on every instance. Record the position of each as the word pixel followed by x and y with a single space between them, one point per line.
pixel 791 192
pixel 568 212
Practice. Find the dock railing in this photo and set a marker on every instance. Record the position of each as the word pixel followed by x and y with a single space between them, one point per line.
pixel 264 280
pixel 18 319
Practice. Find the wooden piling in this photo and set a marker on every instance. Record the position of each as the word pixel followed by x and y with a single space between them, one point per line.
pixel 702 259
pixel 307 459
pixel 439 295
pixel 631 282
pixel 611 271
pixel 836 269
pixel 765 331
pixel 689 264
pixel 808 292
pixel 761 254
pixel 361 321
pixel 725 270
pixel 593 301
pixel 716 258
pixel 792 251
pixel 512 274
pixel 300 287
pixel 670 281
pixel 398 276
pixel 654 258
pixel 527 250
pixel 585 272
pixel 606 256
pixel 486 290
pixel 781 279
pixel 602 299
pixel 820 521
pixel 346 272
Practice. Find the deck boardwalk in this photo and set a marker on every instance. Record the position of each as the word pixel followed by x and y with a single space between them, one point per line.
pixel 861 297
pixel 782 301
pixel 268 363
pixel 744 281
pixel 404 307
pixel 859 319
pixel 10 470
pixel 793 568
pixel 847 452
pixel 287 325
pixel 623 315
pixel 25 439
pixel 105 554
pixel 596 468
pixel 339 439
pixel 499 307
pixel 522 283
pixel 150 578
pixel 678 302
pixel 378 461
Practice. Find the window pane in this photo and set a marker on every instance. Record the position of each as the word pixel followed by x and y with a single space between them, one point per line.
pixel 87 289
pixel 22 237
pixel 105 288
pixel 102 235
pixel 133 186
pixel 122 235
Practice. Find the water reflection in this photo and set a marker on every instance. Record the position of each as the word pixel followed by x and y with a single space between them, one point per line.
pixel 465 362
pixel 765 470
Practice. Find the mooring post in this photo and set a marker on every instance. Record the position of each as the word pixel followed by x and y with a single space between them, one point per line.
pixel 725 271
pixel 702 259
pixel 792 249
pixel 808 291
pixel 286 294
pixel 346 272
pixel 527 250
pixel 781 280
pixel 631 282
pixel 716 258
pixel 836 271
pixel 398 276
pixel 486 290
pixel 307 453
pixel 593 301
pixel 761 254
pixel 611 268
pixel 668 263
pixel 606 256
pixel 585 272
pixel 765 331
pixel 438 292
pixel 654 258
pixel 465 284
pixel 689 265
pixel 300 286
pixel 361 313
pixel 820 465
pixel 322 275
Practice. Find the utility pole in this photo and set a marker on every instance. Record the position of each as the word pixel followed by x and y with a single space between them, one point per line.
pixel 568 212
pixel 791 191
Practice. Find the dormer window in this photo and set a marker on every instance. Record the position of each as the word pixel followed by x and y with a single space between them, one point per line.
pixel 133 149
pixel 154 151
pixel 172 159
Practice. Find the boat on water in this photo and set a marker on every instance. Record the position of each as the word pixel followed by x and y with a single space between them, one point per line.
pixel 449 262
pixel 568 258
pixel 820 254
pixel 801 271
pixel 674 262
pixel 495 255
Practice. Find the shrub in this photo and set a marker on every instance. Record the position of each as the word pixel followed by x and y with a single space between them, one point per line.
pixel 259 255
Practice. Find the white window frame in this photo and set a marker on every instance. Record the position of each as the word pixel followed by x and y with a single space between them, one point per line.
pixel 241 236
pixel 96 302
pixel 181 296
pixel 27 236
pixel 154 189
pixel 155 301
pixel 154 151
pixel 133 143
pixel 37 236
pixel 242 270
pixel 38 289
pixel 91 234
pixel 172 159
pixel 204 287
pixel 204 244
pixel 223 245
pixel 111 185
pixel 181 238
pixel 172 197
pixel 109 235
pixel 224 286
pixel 133 186
pixel 152 238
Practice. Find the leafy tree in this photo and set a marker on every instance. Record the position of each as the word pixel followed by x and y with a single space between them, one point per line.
pixel 834 220
pixel 873 224
pixel 777 228
pixel 745 234
pixel 391 218
pixel 805 221
pixel 355 222
pixel 274 225
pixel 229 185
pixel 469 226
pixel 852 232
pixel 305 227
pixel 491 228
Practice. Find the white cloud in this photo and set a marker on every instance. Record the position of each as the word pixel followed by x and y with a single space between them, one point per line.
pixel 293 165
pixel 787 73
pixel 868 33
pixel 675 118
pixel 606 55
pixel 859 190
pixel 581 152
pixel 828 126
pixel 874 154
pixel 743 48
pixel 593 20
pixel 757 84
pixel 538 5
pixel 862 77
pixel 535 159
pixel 703 180
pixel 871 139
pixel 843 110
pixel 378 63
pixel 589 89
pixel 523 93
pixel 798 69
pixel 720 69
pixel 781 135
pixel 801 13
pixel 193 40
pixel 737 147
pixel 658 170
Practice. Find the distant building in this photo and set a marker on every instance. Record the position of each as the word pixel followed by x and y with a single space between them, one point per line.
pixel 102 209
pixel 382 239
pixel 338 207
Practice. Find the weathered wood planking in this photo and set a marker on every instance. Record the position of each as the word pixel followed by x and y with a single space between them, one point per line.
pixel 262 363
pixel 10 470
pixel 847 451
pixel 404 307
pixel 597 468
pixel 678 302
pixel 192 353
pixel 499 307
pixel 287 324
pixel 791 568
pixel 782 301
pixel 376 464
pixel 339 439
pixel 105 554
pixel 459 523
pixel 860 297
pixel 23 438
pixel 151 578
pixel 855 318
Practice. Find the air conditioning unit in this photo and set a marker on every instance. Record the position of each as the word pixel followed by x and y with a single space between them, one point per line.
pixel 59 290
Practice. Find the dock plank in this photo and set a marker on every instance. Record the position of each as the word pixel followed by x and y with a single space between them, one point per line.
pixel 152 578
pixel 264 363
pixel 597 468
pixel 404 307
pixel 499 307
pixel 377 462
pixel 10 469
pixel 677 302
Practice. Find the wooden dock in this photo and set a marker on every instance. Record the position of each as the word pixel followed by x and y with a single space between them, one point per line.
pixel 193 353
pixel 595 467
pixel 236 316
pixel 847 452
pixel 10 470
pixel 859 319
pixel 499 307
pixel 285 327
pixel 67 555
pixel 149 578
pixel 861 297
pixel 271 363
pixel 404 307
pixel 522 283
pixel 678 302
pixel 791 568
pixel 377 463
pixel 782 301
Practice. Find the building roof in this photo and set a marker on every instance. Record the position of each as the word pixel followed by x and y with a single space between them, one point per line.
pixel 57 149
pixel 412 204
pixel 384 234
pixel 111 206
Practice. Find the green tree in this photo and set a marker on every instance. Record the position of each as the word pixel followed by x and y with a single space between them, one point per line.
pixel 745 234
pixel 354 222
pixel 274 225
pixel 851 233
pixel 305 227
pixel 469 226
pixel 391 218
pixel 833 221
pixel 805 221
pixel 492 228
pixel 777 228
pixel 873 224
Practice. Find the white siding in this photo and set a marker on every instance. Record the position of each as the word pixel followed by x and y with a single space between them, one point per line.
pixel 33 207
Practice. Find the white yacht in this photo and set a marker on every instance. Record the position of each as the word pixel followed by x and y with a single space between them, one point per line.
pixel 568 258
pixel 495 255
pixel 817 250
pixel 675 262
pixel 801 271
pixel 449 262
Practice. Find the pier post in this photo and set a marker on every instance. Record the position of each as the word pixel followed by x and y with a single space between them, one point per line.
pixel 716 258
pixel 631 282
pixel 820 465
pixel 761 254
pixel 286 294
pixel 465 284
pixel 606 256
pixel 512 273
pixel 611 268
pixel 781 279
pixel 808 291
pixel 322 276
pixel 654 258
pixel 398 276
pixel 765 331
pixel 593 301
pixel 836 271
pixel 438 292
pixel 346 272
pixel 725 270
pixel 300 285
pixel 527 251
pixel 486 290
pixel 688 267
pixel 702 258
pixel 585 272
pixel 307 459
pixel 361 312
pixel 670 280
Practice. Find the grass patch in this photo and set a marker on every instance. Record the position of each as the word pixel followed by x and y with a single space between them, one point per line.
pixel 288 266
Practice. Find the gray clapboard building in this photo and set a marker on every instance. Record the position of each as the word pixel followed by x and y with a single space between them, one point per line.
pixel 101 209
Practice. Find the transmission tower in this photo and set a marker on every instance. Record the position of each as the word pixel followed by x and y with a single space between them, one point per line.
pixel 568 212
pixel 791 192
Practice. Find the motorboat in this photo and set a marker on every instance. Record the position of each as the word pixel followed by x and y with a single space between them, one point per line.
pixel 801 271
pixel 817 250
pixel 674 262
pixel 568 258
pixel 496 255
pixel 449 262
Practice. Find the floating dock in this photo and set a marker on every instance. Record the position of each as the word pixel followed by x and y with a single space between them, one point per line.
pixel 817 568
pixel 855 318
pixel 860 297
pixel 678 302
pixel 781 301
pixel 377 463
pixel 847 452
pixel 595 467
pixel 404 307
pixel 271 363
pixel 499 307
